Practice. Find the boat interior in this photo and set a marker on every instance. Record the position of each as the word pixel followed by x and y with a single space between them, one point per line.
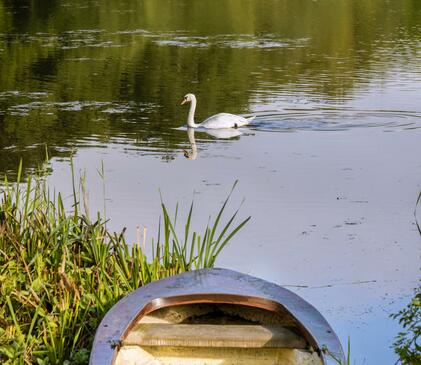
pixel 216 334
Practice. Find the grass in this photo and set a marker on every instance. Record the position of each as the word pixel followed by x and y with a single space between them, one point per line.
pixel 415 213
pixel 61 271
pixel 337 358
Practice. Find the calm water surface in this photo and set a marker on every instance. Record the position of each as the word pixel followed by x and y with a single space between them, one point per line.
pixel 330 167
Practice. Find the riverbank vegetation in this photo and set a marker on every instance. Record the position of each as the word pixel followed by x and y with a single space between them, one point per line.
pixel 406 344
pixel 61 271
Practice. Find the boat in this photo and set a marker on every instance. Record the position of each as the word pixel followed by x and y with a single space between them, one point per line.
pixel 214 317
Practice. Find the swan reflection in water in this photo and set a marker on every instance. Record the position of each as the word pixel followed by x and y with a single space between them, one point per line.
pixel 217 133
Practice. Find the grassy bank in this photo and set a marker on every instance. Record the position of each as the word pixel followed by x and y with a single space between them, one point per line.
pixel 61 271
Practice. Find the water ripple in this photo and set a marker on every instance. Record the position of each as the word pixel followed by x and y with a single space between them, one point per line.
pixel 78 106
pixel 334 120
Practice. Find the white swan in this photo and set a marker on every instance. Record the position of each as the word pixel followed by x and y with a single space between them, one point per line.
pixel 217 121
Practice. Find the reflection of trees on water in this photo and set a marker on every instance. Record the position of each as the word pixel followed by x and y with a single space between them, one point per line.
pixel 75 51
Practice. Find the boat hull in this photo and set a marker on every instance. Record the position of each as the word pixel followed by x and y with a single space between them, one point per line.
pixel 213 287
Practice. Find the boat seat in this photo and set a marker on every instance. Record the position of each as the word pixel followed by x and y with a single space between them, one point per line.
pixel 209 335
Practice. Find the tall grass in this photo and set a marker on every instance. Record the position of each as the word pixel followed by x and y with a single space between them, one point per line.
pixel 337 358
pixel 61 271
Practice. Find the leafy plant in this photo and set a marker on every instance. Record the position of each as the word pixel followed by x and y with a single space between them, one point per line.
pixel 61 271
pixel 406 343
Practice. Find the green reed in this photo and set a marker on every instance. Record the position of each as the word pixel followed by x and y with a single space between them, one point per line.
pixel 338 358
pixel 61 271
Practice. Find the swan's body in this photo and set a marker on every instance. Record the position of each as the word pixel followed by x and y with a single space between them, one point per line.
pixel 217 121
pixel 223 120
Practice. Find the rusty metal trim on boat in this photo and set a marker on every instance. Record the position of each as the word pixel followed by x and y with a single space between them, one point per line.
pixel 211 286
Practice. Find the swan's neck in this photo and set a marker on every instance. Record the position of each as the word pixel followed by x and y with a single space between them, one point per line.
pixel 190 118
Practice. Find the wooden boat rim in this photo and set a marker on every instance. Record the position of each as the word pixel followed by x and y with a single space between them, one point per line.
pixel 211 286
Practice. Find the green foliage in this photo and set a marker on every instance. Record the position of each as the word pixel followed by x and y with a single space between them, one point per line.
pixel 406 343
pixel 60 272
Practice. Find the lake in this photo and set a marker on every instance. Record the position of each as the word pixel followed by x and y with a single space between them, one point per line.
pixel 329 169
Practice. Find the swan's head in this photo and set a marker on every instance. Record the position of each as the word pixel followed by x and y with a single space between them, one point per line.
pixel 188 98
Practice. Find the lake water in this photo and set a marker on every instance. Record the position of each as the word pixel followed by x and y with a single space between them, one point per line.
pixel 330 168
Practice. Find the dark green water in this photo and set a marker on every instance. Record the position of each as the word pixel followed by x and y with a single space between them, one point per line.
pixel 330 167
pixel 76 72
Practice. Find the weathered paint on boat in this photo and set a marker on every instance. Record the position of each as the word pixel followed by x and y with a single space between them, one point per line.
pixel 228 291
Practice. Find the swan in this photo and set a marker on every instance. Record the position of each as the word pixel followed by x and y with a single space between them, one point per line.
pixel 217 121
